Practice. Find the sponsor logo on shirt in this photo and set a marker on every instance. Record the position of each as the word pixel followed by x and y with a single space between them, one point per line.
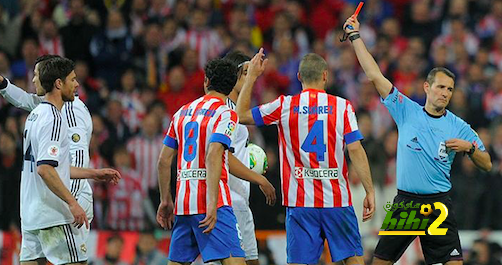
pixel 316 173
pixel 187 174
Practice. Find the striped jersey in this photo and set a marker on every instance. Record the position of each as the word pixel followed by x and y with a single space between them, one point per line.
pixel 314 128
pixel 45 142
pixel 193 127
pixel 145 152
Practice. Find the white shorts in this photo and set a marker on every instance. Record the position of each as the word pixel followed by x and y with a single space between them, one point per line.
pixel 85 202
pixel 246 225
pixel 61 244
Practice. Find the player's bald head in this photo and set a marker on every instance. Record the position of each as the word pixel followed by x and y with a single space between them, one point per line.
pixel 311 68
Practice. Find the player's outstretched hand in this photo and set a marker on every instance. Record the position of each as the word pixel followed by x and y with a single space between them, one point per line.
pixel 268 190
pixel 80 218
pixel 351 25
pixel 109 175
pixel 210 220
pixel 368 206
pixel 257 65
pixel 165 214
pixel 458 145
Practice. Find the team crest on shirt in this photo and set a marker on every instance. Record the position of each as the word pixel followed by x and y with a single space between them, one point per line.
pixel 75 137
pixel 83 248
pixel 53 151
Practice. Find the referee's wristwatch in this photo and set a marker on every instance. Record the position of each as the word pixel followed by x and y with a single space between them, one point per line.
pixel 472 150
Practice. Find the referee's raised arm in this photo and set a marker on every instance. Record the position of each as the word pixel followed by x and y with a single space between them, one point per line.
pixel 366 60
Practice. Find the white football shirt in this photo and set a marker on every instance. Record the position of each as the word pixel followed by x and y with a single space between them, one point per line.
pixel 79 122
pixel 239 189
pixel 44 142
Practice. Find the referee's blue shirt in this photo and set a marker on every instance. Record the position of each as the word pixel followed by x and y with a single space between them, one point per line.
pixel 423 161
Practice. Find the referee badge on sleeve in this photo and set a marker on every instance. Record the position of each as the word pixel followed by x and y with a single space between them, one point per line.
pixel 75 137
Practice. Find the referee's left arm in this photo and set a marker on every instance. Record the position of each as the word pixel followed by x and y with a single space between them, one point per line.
pixel 480 158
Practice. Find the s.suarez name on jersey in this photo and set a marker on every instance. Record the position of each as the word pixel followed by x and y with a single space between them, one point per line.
pixel 313 110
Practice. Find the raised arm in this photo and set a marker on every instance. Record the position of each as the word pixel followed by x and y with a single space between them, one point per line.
pixel 366 60
pixel 243 107
pixel 18 97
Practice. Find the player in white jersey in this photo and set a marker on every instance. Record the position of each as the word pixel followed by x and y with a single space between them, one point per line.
pixel 239 188
pixel 80 130
pixel 20 98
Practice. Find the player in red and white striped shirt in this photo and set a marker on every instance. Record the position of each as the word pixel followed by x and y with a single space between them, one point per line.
pixel 314 129
pixel 200 133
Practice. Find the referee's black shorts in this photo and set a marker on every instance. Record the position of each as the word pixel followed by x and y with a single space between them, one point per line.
pixel 436 248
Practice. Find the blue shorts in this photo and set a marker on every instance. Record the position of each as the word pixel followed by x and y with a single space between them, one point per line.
pixel 188 241
pixel 306 229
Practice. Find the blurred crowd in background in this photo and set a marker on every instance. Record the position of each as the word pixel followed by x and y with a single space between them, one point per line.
pixel 138 61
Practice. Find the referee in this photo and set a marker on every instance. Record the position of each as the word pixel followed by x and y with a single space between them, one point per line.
pixel 429 138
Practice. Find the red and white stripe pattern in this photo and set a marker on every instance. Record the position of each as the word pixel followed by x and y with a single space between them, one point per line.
pixel 207 44
pixel 295 116
pixel 193 127
pixel 145 153
pixel 125 210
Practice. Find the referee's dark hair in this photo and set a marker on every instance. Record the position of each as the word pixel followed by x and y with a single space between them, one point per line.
pixel 238 58
pixel 222 75
pixel 53 69
pixel 431 77
pixel 311 68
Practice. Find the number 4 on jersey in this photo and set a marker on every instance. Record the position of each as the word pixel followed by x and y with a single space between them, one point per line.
pixel 314 142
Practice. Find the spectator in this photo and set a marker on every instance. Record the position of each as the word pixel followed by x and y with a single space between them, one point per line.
pixel 119 131
pixel 202 39
pixel 77 34
pixel 492 22
pixel 9 31
pixel 11 164
pixel 145 149
pixel 133 109
pixel 24 68
pixel 150 60
pixel 49 39
pixel 147 252
pixel 111 49
pixel 114 246
pixel 127 198
pixel 5 65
